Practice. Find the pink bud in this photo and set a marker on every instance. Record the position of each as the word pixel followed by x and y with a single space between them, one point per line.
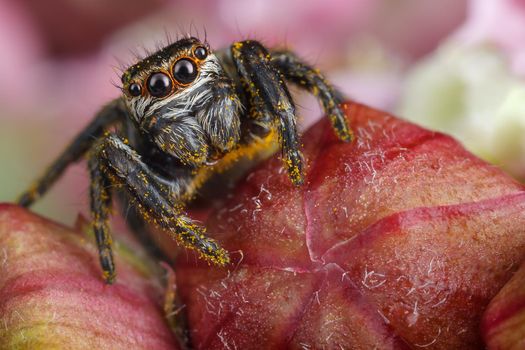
pixel 503 324
pixel 52 294
pixel 399 239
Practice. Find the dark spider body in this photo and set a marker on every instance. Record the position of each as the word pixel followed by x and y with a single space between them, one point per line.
pixel 185 114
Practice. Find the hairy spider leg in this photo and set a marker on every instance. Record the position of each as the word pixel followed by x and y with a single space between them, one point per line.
pixel 258 149
pixel 270 101
pixel 157 203
pixel 301 74
pixel 107 116
pixel 138 226
pixel 100 195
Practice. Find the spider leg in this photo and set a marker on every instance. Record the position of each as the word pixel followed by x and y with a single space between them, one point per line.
pixel 119 164
pixel 269 99
pixel 109 115
pixel 139 227
pixel 100 208
pixel 298 72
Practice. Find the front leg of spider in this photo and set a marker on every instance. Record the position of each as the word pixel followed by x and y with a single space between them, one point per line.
pixel 269 101
pixel 308 78
pixel 262 75
pixel 113 162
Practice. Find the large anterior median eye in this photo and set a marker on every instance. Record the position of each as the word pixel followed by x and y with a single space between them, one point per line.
pixel 159 84
pixel 184 71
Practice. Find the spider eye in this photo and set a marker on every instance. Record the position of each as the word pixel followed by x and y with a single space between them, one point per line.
pixel 201 53
pixel 184 71
pixel 135 90
pixel 159 84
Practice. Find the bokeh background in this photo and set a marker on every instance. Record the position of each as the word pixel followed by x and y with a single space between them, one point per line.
pixel 452 65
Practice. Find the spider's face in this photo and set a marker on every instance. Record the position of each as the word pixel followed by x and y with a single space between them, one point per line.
pixel 184 100
pixel 177 76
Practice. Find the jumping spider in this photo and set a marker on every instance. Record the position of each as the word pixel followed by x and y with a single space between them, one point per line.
pixel 186 112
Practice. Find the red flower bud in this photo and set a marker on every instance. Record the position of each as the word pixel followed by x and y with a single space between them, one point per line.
pixel 399 239
pixel 503 324
pixel 52 294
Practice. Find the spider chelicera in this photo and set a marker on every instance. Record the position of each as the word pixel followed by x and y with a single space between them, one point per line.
pixel 186 113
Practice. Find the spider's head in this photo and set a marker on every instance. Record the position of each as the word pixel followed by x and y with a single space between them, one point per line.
pixel 168 76
pixel 182 97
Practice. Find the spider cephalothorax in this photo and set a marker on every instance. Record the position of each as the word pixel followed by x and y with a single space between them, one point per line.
pixel 184 113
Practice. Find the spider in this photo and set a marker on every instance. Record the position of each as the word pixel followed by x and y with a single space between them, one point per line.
pixel 186 113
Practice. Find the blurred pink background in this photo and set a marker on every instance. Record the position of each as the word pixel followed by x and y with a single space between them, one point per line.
pixel 57 60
